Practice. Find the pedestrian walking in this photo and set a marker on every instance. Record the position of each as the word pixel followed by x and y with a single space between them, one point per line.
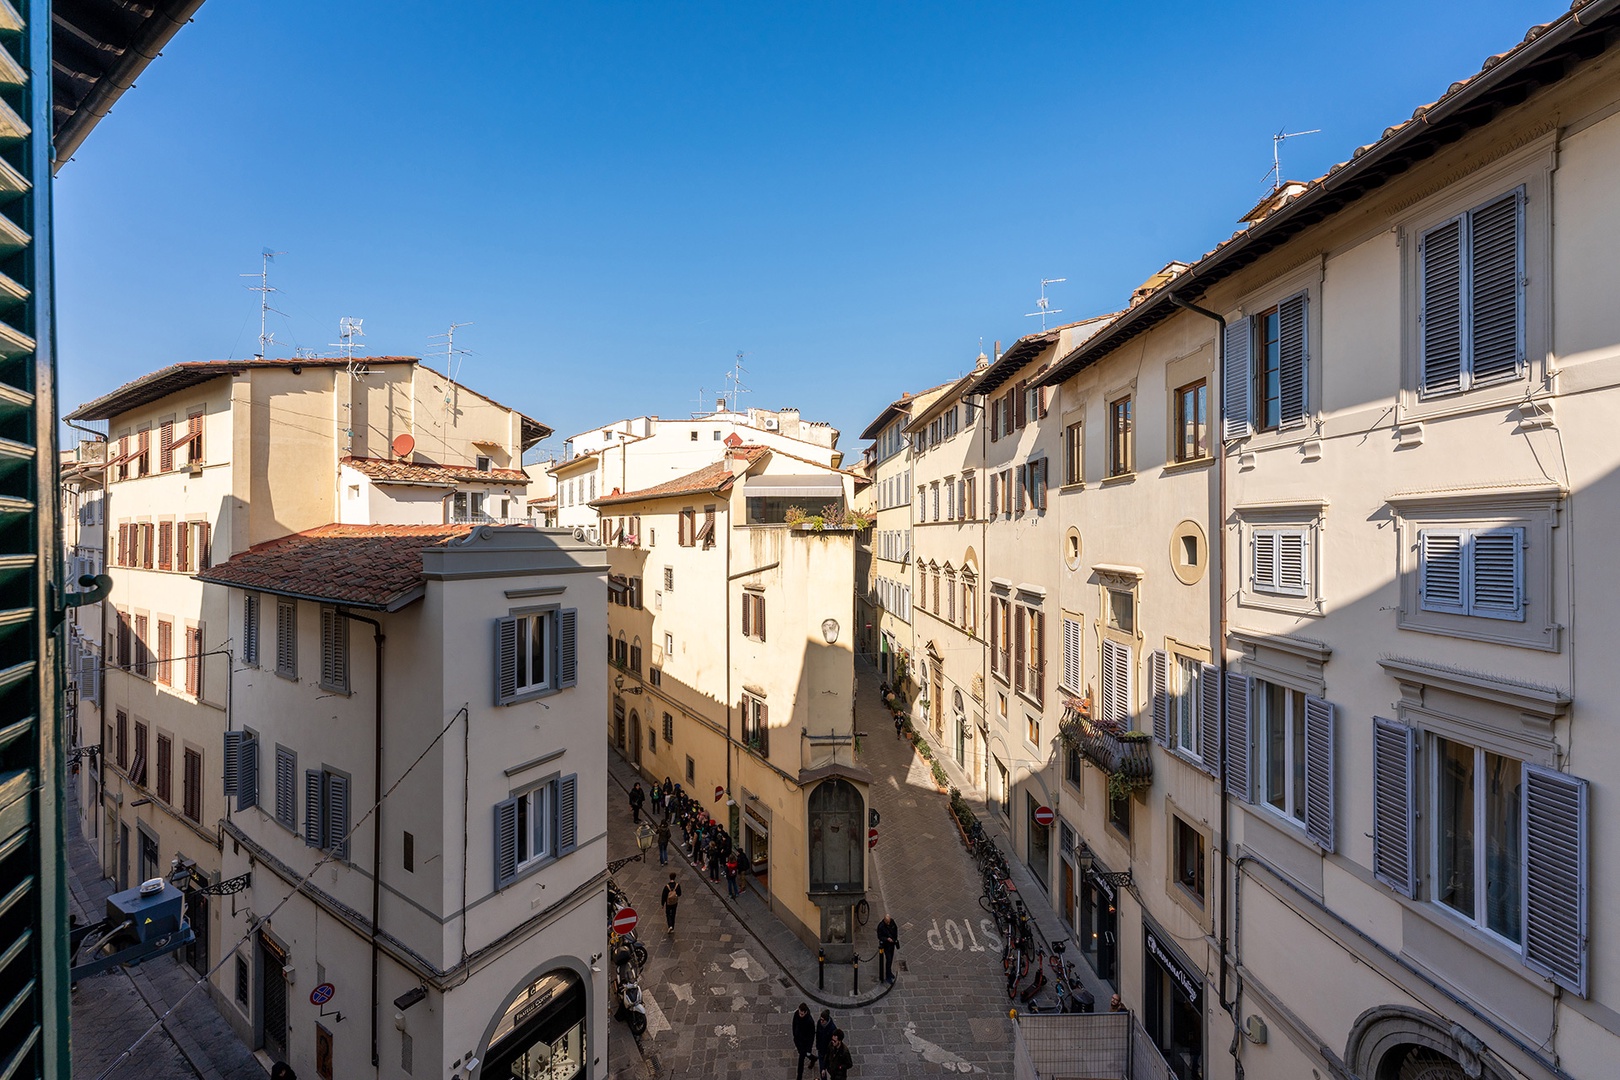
pixel 824 1033
pixel 637 798
pixel 672 899
pixel 804 1036
pixel 731 875
pixel 888 936
pixel 837 1063
pixel 657 799
pixel 663 842
pixel 714 858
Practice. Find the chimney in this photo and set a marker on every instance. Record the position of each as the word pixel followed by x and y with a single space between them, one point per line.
pixel 719 404
pixel 998 350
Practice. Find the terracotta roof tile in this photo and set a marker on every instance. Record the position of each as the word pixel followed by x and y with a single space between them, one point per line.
pixel 409 472
pixel 366 566
pixel 713 477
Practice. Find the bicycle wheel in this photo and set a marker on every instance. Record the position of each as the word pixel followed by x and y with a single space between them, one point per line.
pixel 989 906
pixel 863 911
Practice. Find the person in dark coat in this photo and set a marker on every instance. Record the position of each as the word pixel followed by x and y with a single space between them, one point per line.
pixel 804 1036
pixel 837 1063
pixel 657 800
pixel 731 875
pixel 714 858
pixel 663 842
pixel 671 899
pixel 637 798
pixel 888 936
pixel 282 1071
pixel 824 1033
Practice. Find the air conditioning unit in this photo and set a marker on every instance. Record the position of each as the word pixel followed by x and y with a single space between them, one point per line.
pixel 772 423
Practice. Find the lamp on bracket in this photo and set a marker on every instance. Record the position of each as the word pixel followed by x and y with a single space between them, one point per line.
pixel 1088 865
pixel 618 684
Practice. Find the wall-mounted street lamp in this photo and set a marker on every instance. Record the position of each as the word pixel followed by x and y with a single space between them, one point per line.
pixel 1088 865
pixel 829 630
pixel 618 684
pixel 644 841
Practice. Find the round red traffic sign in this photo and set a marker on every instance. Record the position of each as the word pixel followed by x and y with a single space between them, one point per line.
pixel 322 994
pixel 624 920
pixel 871 838
pixel 1044 815
pixel 719 792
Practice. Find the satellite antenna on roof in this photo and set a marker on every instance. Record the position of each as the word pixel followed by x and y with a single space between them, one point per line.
pixel 1275 175
pixel 264 289
pixel 450 350
pixel 1043 305
pixel 348 330
pixel 734 377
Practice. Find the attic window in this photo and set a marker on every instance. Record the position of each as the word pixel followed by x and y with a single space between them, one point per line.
pixel 484 463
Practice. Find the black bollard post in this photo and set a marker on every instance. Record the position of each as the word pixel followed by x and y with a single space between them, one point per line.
pixel 821 969
pixel 857 968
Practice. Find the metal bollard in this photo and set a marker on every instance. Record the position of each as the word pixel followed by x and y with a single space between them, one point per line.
pixel 856 989
pixel 821 969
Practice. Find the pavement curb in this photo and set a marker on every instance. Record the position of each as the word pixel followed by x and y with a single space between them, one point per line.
pixel 820 997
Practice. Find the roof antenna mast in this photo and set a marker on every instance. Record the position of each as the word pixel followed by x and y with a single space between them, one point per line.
pixel 1043 305
pixel 1276 157
pixel 450 350
pixel 264 289
pixel 734 377
pixel 348 330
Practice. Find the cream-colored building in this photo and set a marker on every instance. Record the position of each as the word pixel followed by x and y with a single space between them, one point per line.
pixel 748 704
pixel 1379 851
pixel 207 462
pixel 947 462
pixel 629 455
pixel 420 824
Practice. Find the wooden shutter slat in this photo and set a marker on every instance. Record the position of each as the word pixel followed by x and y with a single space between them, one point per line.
pixel 506 660
pixel 233 759
pixel 1293 355
pixel 1441 318
pixel 1235 380
pixel 505 842
pixel 1236 742
pixel 1263 561
pixel 1319 772
pixel 567 659
pixel 1159 672
pixel 247 780
pixel 1293 563
pixel 1496 574
pixel 1394 810
pixel 286 790
pixel 1440 570
pixel 567 814
pixel 1555 876
pixel 1209 718
pixel 337 814
pixel 314 835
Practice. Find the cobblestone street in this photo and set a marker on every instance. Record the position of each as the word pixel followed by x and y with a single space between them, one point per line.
pixel 719 1003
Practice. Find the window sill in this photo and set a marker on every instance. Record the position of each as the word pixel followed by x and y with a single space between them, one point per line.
pixel 341 691
pixel 1190 901
pixel 1118 479
pixel 1073 485
pixel 529 695
pixel 1035 701
pixel 1171 468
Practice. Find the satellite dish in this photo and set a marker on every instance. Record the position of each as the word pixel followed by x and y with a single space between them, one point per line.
pixel 403 445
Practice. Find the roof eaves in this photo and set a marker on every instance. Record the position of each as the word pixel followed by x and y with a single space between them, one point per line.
pixel 1578 36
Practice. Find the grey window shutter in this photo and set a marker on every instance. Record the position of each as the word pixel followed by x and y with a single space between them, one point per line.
pixel 1496 301
pixel 233 761
pixel 247 774
pixel 567 814
pixel 1440 321
pixel 334 650
pixel 1556 886
pixel 1263 561
pixel 1236 742
pixel 505 842
pixel 1235 380
pixel 1293 563
pixel 1440 570
pixel 286 787
pixel 1319 772
pixel 567 651
pixel 337 814
pixel 1209 718
pixel 506 660
pixel 1293 357
pixel 1394 810
pixel 1496 574
pixel 314 817
pixel 250 628
pixel 1160 674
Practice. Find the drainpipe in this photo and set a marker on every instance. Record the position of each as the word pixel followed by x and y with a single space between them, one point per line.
pixel 377 831
pixel 1220 589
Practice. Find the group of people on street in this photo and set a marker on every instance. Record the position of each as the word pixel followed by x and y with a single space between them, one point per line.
pixel 821 1042
pixel 705 840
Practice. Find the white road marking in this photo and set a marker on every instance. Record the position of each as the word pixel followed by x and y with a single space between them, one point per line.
pixel 741 961
pixel 682 992
pixel 936 1054
pixel 656 1020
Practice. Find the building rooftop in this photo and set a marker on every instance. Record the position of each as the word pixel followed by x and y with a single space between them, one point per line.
pixel 714 477
pixel 410 472
pixel 376 567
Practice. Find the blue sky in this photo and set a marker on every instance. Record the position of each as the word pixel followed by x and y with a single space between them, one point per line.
pixel 620 197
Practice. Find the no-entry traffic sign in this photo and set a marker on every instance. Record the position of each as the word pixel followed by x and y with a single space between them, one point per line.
pixel 719 792
pixel 1043 815
pixel 871 838
pixel 624 920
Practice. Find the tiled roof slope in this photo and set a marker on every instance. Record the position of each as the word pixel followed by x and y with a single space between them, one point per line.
pixel 711 478
pixel 410 472
pixel 364 566
pixel 176 377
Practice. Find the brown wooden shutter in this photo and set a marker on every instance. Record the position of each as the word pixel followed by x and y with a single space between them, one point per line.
pixel 747 613
pixel 165 651
pixel 205 533
pixel 165 545
pixel 759 616
pixel 165 768
pixel 194 436
pixel 194 661
pixel 1020 405
pixel 1018 648
pixel 166 446
pixel 182 545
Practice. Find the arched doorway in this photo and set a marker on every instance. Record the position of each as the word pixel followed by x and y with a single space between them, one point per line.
pixel 542 1032
pixel 635 738
pixel 836 823
pixel 1394 1042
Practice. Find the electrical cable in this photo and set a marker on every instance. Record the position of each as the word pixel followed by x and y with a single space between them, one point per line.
pixel 229 954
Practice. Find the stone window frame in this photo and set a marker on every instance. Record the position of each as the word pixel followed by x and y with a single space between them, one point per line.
pixel 1309 515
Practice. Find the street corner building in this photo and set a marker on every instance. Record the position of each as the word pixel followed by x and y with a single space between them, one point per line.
pixel 347 705
pixel 730 638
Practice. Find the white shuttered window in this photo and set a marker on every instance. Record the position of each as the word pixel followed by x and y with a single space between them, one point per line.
pixel 1071 654
pixel 1471 313
pixel 1117 662
pixel 1478 572
pixel 1279 561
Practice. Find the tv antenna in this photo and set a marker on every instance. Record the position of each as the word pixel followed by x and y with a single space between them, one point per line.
pixel 1043 305
pixel 734 377
pixel 450 350
pixel 264 289
pixel 1275 175
pixel 702 403
pixel 348 330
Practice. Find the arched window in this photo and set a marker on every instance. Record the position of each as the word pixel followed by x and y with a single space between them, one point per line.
pixel 837 838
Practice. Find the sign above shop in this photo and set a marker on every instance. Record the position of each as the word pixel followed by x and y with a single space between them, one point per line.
pixel 1189 983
